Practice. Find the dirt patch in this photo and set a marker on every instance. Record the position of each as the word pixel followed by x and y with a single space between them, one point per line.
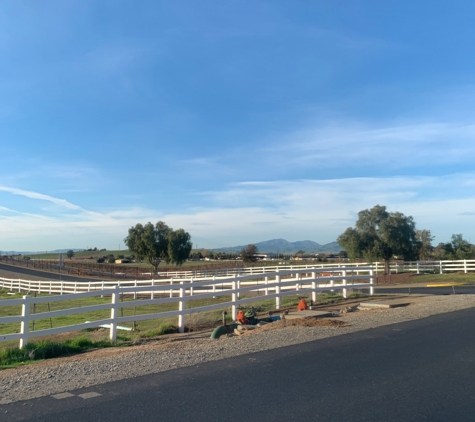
pixel 302 322
pixel 382 280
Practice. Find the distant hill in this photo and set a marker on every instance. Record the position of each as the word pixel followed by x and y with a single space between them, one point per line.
pixel 284 246
pixel 39 252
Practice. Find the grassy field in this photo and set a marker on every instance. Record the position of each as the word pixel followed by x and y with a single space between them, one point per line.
pixel 80 254
pixel 468 278
pixel 143 329
pixel 154 328
pixel 193 321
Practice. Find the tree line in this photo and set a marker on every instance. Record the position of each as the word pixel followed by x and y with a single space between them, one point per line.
pixel 382 235
pixel 377 235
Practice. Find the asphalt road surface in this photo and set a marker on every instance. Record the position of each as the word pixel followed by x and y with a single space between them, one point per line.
pixel 414 371
pixel 31 272
pixel 445 290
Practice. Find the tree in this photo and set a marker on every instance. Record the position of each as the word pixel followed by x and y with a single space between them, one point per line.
pixel 462 249
pixel 343 254
pixel 381 235
pixel 457 248
pixel 440 251
pixel 70 253
pixel 179 246
pixel 157 243
pixel 248 254
pixel 424 238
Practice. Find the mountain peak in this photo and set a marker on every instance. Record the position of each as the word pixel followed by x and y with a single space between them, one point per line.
pixel 284 246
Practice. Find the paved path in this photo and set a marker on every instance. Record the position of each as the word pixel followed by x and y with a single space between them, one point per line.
pixel 422 289
pixel 33 274
pixel 413 371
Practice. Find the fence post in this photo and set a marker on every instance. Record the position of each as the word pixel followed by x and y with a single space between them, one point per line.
pixel 171 287
pixel 135 291
pixel 191 286
pixel 267 282
pixel 152 294
pixel 25 322
pixel 277 290
pixel 314 286
pixel 114 314
pixel 418 269
pixel 465 266
pixel 371 281
pixel 440 264
pixel 181 308
pixel 214 286
pixel 234 298
pixel 345 291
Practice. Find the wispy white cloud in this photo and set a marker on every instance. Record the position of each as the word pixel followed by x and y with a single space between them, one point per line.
pixel 241 213
pixel 349 144
pixel 7 209
pixel 40 196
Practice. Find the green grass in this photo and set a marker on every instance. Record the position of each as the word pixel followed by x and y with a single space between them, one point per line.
pixel 160 331
pixel 13 356
pixel 468 278
pixel 146 329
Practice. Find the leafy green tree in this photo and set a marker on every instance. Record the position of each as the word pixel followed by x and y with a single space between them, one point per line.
pixel 439 251
pixel 424 238
pixel 343 254
pixel 248 254
pixel 461 248
pixel 178 247
pixel 379 234
pixel 196 255
pixel 158 243
pixel 70 253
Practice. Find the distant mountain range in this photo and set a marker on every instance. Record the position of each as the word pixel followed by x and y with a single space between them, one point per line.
pixel 39 252
pixel 284 246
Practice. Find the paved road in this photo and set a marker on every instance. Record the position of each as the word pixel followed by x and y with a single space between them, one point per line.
pixel 446 290
pixel 31 272
pixel 414 371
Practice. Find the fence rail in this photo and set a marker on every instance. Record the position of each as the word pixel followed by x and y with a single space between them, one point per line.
pixel 440 267
pixel 274 284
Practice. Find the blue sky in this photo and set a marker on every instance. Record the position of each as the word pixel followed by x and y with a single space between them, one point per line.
pixel 239 121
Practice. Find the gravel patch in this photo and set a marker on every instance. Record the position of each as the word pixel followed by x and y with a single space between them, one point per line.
pixel 60 375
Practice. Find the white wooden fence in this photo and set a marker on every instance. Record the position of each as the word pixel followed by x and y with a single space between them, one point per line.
pixel 436 267
pixel 275 284
pixel 441 267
